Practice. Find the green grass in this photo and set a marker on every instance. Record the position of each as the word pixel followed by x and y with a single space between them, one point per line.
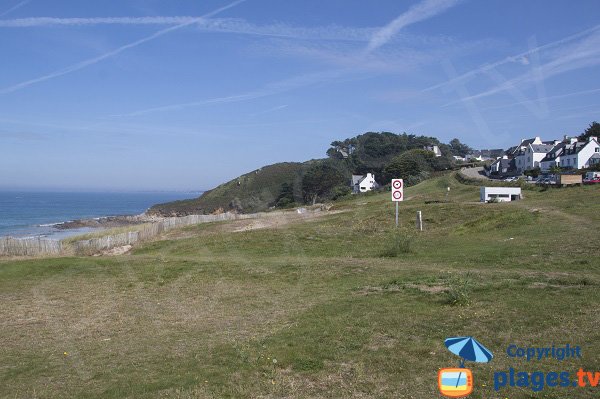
pixel 205 315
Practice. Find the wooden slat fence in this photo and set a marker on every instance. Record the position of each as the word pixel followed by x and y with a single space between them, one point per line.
pixel 40 246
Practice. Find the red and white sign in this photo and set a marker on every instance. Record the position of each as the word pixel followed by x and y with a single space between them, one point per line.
pixel 397 190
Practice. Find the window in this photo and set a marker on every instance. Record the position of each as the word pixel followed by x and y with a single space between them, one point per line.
pixel 597 149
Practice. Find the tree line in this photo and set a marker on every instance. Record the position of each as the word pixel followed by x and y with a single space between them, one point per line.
pixel 387 155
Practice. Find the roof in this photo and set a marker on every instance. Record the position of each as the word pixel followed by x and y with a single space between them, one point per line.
pixel 511 150
pixel 527 142
pixel 545 148
pixel 506 163
pixel 356 179
pixel 492 153
pixel 556 151
pixel 571 149
pixel 595 156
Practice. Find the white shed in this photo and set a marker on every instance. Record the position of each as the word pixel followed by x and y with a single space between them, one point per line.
pixel 500 194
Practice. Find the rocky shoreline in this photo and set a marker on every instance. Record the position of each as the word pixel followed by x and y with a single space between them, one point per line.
pixel 104 222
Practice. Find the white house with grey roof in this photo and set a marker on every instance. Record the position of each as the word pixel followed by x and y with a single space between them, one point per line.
pixel 529 156
pixel 502 166
pixel 573 154
pixel 362 184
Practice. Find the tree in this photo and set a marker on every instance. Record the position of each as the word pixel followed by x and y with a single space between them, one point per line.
pixel 592 130
pixel 458 148
pixel 409 163
pixel 342 149
pixel 535 172
pixel 286 196
pixel 319 180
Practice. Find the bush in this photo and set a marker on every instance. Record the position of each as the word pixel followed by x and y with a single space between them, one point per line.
pixel 398 243
pixel 340 192
pixel 418 178
pixel 459 292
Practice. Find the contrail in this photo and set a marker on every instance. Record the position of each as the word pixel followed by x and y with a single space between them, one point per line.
pixel 91 61
pixel 424 10
pixel 13 8
pixel 417 13
pixel 506 60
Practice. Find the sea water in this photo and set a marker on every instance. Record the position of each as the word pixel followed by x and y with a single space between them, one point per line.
pixel 26 214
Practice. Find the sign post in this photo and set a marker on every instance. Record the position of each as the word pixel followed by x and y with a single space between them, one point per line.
pixel 397 194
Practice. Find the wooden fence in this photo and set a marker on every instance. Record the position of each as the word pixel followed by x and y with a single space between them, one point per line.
pixel 31 246
pixel 40 246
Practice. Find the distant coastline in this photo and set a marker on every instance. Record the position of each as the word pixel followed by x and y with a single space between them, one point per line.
pixel 57 215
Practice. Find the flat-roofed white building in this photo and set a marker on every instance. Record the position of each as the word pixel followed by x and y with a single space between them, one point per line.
pixel 499 194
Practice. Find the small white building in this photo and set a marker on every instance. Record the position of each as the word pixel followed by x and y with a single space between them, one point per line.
pixel 499 194
pixel 435 149
pixel 362 184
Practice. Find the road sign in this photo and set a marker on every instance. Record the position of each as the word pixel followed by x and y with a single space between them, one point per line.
pixel 397 194
pixel 397 190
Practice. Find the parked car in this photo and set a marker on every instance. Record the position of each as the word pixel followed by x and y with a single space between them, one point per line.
pixel 591 181
pixel 545 180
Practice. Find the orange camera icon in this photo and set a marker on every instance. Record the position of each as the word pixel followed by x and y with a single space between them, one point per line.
pixel 455 382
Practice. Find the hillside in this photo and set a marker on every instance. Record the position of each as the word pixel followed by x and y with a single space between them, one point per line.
pixel 253 192
pixel 328 178
pixel 342 306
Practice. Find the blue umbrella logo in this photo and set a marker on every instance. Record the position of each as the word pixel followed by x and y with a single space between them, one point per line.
pixel 468 348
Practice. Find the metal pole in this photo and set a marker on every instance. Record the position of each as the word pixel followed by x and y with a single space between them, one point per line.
pixel 396 213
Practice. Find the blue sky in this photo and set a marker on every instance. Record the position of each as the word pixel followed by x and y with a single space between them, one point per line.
pixel 149 94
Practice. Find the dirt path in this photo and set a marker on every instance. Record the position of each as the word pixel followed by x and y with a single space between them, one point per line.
pixel 474 173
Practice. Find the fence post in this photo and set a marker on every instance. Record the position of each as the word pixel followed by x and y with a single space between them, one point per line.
pixel 419 221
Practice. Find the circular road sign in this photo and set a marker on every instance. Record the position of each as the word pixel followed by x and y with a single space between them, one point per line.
pixel 397 184
pixel 397 194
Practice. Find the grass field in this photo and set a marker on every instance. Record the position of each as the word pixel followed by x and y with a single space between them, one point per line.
pixel 344 306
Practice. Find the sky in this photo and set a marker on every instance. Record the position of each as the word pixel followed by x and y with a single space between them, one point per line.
pixel 184 95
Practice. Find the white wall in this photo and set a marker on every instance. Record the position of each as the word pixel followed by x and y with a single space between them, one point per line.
pixel 368 183
pixel 502 194
pixel 585 154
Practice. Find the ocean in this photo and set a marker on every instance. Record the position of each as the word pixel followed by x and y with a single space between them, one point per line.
pixel 26 214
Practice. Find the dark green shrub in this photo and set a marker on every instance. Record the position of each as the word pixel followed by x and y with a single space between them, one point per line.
pixel 458 292
pixel 397 243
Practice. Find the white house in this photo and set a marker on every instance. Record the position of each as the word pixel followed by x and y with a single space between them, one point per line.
pixel 502 166
pixel 362 184
pixel 512 151
pixel 499 194
pixel 435 149
pixel 529 156
pixel 572 154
